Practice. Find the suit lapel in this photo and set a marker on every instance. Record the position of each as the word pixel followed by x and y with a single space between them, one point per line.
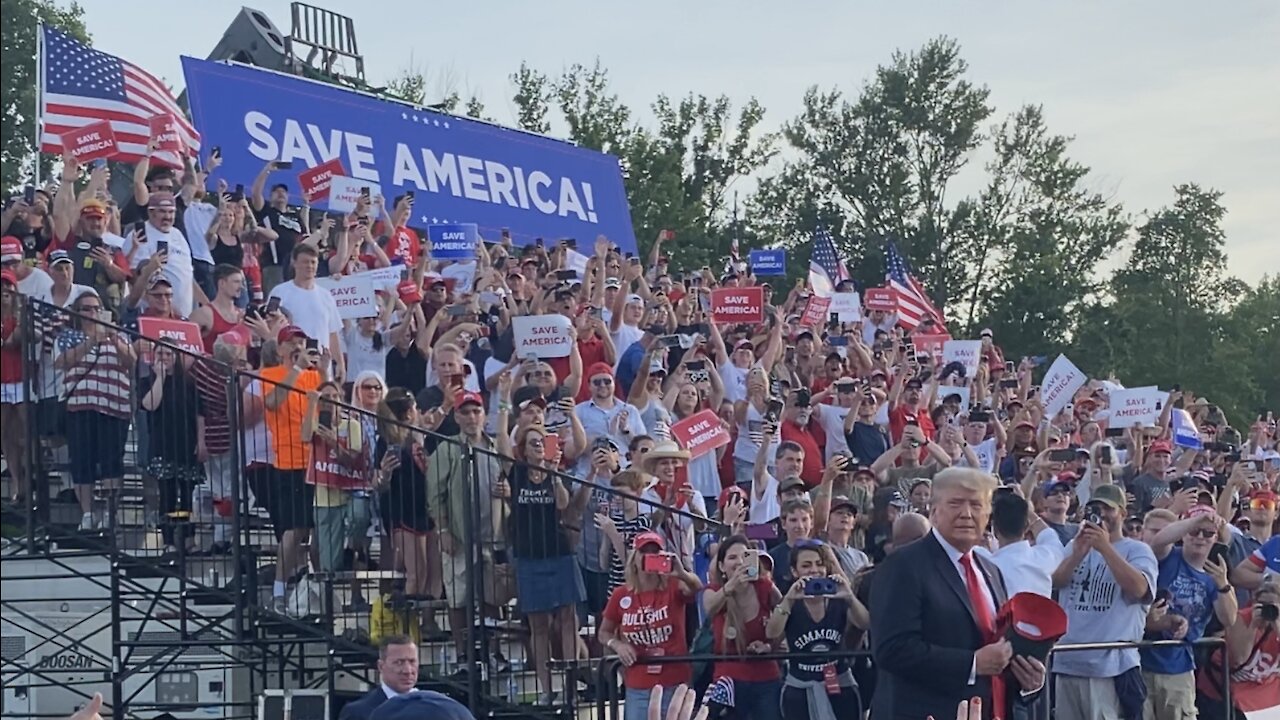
pixel 995 581
pixel 944 567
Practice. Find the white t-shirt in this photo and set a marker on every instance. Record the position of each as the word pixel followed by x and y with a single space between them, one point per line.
pixel 197 219
pixel 257 439
pixel 1097 611
pixel 36 284
pixel 625 337
pixel 986 452
pixel 50 384
pixel 360 353
pixel 472 382
pixel 831 418
pixel 177 268
pixel 765 509
pixel 314 310
pixel 735 382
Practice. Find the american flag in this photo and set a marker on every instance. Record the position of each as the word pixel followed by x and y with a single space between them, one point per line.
pixel 82 86
pixel 826 269
pixel 913 302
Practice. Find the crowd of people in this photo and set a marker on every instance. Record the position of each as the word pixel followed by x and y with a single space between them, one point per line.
pixel 487 474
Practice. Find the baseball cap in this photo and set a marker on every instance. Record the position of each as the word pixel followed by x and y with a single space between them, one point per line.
pixel 161 200
pixel 657 367
pixel 598 369
pixel 986 332
pixel 1032 624
pixel 915 382
pixel 1110 495
pixel 1058 485
pixel 527 395
pixel 59 256
pixel 646 539
pixel 743 343
pixel 158 278
pixel 9 277
pixel 634 299
pixel 289 332
pixel 467 396
pixel 841 502
pixel 1262 494
pixel 894 498
pixel 93 208
pixel 420 704
pixel 10 249
pixel 612 283
pixel 791 482
pixel 1160 446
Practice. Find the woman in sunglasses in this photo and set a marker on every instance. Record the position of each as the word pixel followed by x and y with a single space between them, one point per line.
pixel 813 617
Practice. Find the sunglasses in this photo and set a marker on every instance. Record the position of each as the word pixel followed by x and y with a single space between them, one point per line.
pixel 1203 533
pixel 1262 505
pixel 535 442
pixel 601 382
pixel 370 387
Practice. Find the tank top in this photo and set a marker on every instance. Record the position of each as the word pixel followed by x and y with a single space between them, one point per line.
pixel 817 638
pixel 744 448
pixel 220 325
pixel 224 254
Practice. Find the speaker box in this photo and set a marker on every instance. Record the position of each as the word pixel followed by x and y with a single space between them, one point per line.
pixel 253 39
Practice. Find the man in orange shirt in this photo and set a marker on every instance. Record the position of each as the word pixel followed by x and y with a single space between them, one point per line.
pixel 285 388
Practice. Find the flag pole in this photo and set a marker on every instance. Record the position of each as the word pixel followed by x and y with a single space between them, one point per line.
pixel 39 123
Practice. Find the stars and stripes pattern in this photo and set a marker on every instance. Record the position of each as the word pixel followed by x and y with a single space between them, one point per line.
pixel 826 269
pixel 82 86
pixel 913 302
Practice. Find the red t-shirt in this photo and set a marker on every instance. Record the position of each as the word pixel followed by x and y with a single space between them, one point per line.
pixel 403 243
pixel 898 420
pixel 592 350
pixel 1255 685
pixel 811 472
pixel 747 671
pixel 652 622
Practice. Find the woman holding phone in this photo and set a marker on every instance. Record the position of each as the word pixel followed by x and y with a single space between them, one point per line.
pixel 403 485
pixel 813 617
pixel 739 601
pixel 751 415
pixel 338 469
pixel 171 406
pixel 644 618
pixel 548 580
pixel 693 396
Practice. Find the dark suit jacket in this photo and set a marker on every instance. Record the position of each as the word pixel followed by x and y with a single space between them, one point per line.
pixel 363 708
pixel 924 635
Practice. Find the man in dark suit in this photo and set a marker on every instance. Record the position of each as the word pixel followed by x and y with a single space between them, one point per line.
pixel 933 610
pixel 397 672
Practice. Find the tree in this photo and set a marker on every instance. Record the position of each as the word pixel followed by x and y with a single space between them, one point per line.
pixel 18 89
pixel 1167 316
pixel 879 168
pixel 1038 234
pixel 677 175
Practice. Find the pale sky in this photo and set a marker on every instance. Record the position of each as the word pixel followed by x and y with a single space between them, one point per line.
pixel 1155 93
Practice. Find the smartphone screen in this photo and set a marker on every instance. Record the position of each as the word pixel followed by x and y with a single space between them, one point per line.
pixel 313 345
pixel 280 165
pixel 273 305
pixel 162 246
pixel 29 194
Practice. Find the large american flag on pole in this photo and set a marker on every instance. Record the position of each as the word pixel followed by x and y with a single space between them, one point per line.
pixel 826 269
pixel 81 86
pixel 913 302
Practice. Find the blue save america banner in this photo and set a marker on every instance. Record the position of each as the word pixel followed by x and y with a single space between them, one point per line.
pixel 462 171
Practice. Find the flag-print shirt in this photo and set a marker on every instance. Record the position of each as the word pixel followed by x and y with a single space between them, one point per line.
pixel 100 381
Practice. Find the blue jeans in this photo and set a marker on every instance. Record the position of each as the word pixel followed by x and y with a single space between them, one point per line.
pixel 757 700
pixel 637 703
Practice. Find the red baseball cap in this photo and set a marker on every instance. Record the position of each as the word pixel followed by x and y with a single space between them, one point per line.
pixel 646 539
pixel 289 332
pixel 465 397
pixel 1160 446
pixel 729 492
pixel 599 368
pixel 10 248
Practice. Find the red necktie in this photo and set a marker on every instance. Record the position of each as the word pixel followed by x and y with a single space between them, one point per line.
pixel 987 624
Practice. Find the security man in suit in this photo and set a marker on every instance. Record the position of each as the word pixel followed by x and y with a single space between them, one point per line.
pixel 933 611
pixel 398 672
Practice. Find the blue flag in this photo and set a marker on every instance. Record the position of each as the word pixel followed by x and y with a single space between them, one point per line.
pixel 1185 432
pixel 460 169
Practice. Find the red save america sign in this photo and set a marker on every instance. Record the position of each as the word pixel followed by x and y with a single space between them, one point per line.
pixel 737 305
pixel 315 181
pixel 91 142
pixel 700 433
pixel 881 298
pixel 930 345
pixel 816 312
pixel 185 335
pixel 166 133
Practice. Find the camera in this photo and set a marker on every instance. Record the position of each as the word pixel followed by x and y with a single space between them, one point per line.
pixel 659 563
pixel 819 586
pixel 1270 612
pixel 1092 515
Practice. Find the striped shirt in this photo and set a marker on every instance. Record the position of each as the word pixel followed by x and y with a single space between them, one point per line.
pixel 211 378
pixel 100 381
pixel 629 529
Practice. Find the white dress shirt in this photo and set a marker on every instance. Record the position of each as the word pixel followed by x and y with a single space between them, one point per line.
pixel 955 556
pixel 391 693
pixel 1027 567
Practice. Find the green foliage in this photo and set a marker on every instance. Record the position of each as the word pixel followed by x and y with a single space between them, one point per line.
pixel 18 87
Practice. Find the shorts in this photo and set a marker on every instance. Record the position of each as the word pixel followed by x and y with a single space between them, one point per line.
pixel 51 417
pixel 498 583
pixel 12 393
pixel 290 501
pixel 404 507
pixel 547 584
pixel 335 525
pixel 96 443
